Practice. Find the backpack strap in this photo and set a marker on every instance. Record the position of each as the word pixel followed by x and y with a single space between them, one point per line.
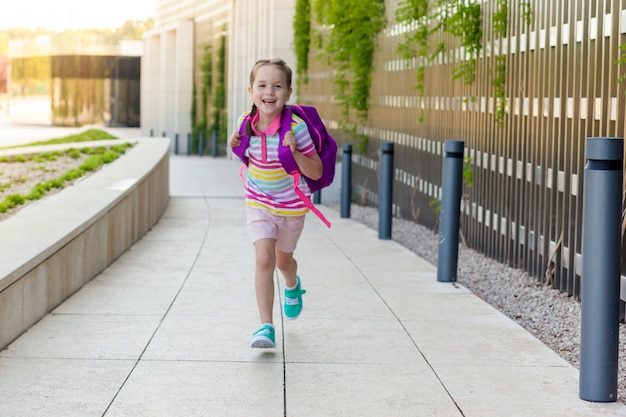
pixel 284 153
pixel 240 150
pixel 289 163
pixel 307 200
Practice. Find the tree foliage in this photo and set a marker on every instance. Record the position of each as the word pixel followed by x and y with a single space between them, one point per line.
pixel 130 30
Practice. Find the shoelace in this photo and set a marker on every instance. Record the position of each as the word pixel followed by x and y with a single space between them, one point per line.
pixel 264 331
pixel 294 301
pixel 291 301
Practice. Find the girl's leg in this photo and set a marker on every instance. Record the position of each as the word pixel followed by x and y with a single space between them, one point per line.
pixel 288 267
pixel 293 291
pixel 264 277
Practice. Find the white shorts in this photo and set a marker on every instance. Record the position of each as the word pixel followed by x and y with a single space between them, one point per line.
pixel 285 230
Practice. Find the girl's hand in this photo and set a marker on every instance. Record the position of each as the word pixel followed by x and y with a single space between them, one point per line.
pixel 290 140
pixel 233 140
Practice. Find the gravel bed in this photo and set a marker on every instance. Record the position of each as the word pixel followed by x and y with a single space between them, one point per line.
pixel 551 316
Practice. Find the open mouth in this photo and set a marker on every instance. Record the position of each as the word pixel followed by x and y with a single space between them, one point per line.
pixel 269 101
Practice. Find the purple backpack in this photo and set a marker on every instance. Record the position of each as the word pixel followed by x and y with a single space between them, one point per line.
pixel 325 146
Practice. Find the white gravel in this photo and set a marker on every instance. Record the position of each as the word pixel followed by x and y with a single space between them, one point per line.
pixel 553 317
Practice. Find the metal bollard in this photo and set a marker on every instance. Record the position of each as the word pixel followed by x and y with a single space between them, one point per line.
pixel 346 180
pixel 151 132
pixel 214 143
pixel 385 191
pixel 452 188
pixel 176 144
pixel 188 144
pixel 317 197
pixel 600 288
pixel 200 143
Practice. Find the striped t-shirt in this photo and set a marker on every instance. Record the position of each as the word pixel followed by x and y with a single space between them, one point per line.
pixel 268 185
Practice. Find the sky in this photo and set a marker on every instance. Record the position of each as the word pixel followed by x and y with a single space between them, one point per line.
pixel 59 15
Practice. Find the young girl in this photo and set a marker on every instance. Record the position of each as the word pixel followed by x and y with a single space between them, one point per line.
pixel 275 213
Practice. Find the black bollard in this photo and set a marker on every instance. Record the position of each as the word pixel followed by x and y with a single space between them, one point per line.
pixel 214 143
pixel 317 197
pixel 452 188
pixel 188 144
pixel 346 180
pixel 176 144
pixel 385 191
pixel 151 132
pixel 200 143
pixel 600 287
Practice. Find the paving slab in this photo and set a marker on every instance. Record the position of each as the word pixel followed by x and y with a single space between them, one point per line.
pixel 59 387
pixel 355 390
pixel 181 388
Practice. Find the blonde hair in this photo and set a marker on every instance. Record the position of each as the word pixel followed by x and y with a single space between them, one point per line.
pixel 280 64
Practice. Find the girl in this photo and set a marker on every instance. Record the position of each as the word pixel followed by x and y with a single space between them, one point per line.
pixel 275 213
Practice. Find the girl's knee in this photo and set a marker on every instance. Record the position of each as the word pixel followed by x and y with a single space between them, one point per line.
pixel 265 256
pixel 265 261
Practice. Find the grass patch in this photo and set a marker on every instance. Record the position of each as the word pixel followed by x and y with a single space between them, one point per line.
pixel 86 136
pixel 98 156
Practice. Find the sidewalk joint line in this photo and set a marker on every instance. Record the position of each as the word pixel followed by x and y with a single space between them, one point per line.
pixel 401 324
pixel 282 331
pixel 169 307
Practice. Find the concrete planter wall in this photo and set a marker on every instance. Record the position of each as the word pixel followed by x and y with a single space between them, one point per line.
pixel 52 248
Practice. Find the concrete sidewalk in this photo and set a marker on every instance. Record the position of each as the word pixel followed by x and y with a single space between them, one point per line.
pixel 165 330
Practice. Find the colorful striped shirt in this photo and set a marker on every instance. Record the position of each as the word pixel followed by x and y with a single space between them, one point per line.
pixel 268 185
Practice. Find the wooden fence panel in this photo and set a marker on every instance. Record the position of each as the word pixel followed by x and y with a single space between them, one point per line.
pixel 525 207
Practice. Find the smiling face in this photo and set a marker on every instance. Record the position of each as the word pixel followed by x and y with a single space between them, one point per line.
pixel 270 90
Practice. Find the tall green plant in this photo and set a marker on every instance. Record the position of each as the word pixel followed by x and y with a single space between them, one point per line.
pixel 460 19
pixel 414 13
pixel 206 66
pixel 302 38
pixel 350 43
pixel 622 60
pixel 500 22
pixel 219 100
pixel 194 118
pixel 207 84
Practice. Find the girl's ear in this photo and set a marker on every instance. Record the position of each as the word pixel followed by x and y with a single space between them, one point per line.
pixel 250 90
pixel 289 95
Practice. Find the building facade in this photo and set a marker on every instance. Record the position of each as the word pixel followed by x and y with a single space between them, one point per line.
pixel 75 81
pixel 197 60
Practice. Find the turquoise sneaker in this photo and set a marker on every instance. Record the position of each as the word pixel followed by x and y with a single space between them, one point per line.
pixel 264 337
pixel 293 301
